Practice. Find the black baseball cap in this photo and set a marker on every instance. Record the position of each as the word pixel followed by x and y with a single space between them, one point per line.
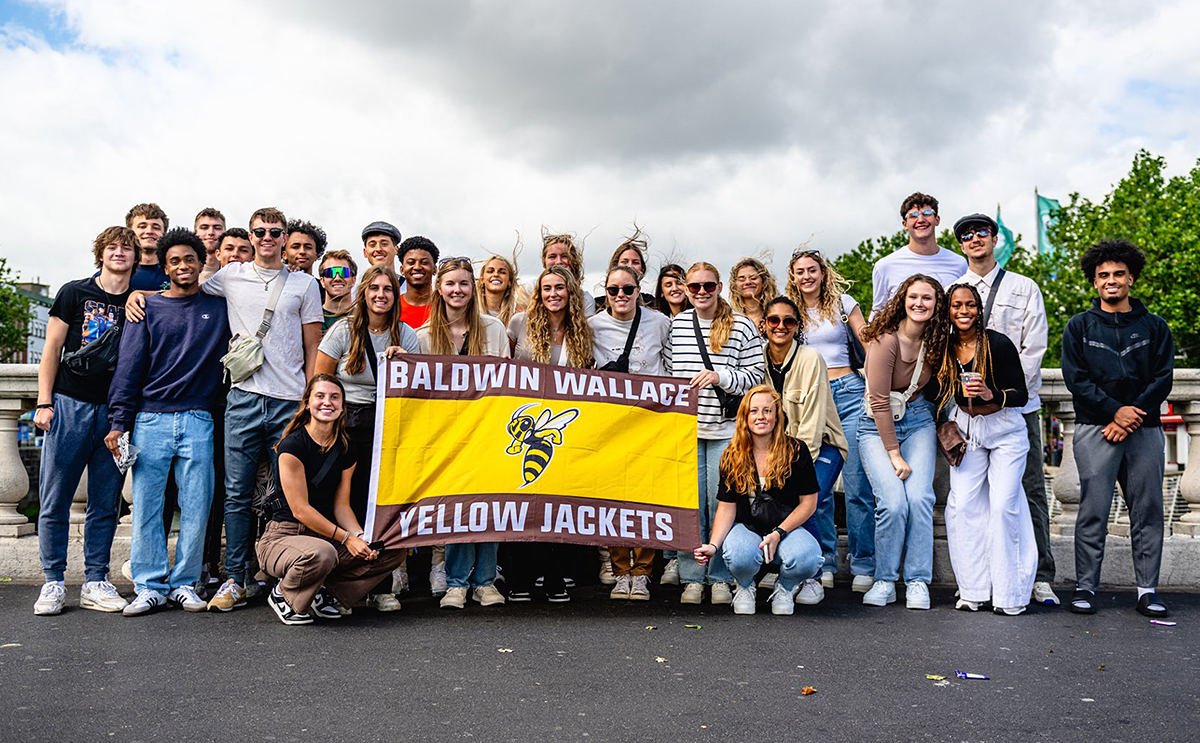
pixel 381 228
pixel 960 227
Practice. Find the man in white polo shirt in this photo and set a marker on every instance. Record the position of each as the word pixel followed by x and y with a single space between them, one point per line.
pixel 1018 311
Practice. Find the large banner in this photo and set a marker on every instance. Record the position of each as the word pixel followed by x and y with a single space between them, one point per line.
pixel 479 449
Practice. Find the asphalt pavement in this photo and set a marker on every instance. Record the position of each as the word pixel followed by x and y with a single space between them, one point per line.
pixel 599 670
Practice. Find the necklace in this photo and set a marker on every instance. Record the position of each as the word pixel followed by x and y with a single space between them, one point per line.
pixel 265 282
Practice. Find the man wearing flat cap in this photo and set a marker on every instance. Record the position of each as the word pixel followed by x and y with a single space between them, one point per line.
pixel 379 244
pixel 1013 306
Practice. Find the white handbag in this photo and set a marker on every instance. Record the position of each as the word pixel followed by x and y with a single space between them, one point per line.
pixel 899 400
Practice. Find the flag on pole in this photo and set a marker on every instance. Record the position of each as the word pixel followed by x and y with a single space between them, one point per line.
pixel 1047 209
pixel 1005 245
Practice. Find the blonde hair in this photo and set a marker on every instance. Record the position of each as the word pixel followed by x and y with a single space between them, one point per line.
pixel 577 334
pixel 737 467
pixel 722 324
pixel 768 291
pixel 575 252
pixel 829 296
pixel 359 320
pixel 439 320
pixel 512 301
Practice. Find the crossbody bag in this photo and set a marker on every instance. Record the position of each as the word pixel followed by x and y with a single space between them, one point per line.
pixel 621 363
pixel 246 354
pixel 898 401
pixel 729 402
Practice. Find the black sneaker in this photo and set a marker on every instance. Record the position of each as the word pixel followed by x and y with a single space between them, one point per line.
pixel 519 597
pixel 285 612
pixel 558 597
pixel 324 605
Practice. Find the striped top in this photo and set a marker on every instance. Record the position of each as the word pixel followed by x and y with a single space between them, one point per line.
pixel 739 364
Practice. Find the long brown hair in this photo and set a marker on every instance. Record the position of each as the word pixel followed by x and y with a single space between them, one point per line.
pixel 577 334
pixel 949 379
pixel 887 320
pixel 302 416
pixel 737 468
pixel 359 320
pixel 829 296
pixel 439 321
pixel 635 242
pixel 660 300
pixel 722 324
pixel 768 291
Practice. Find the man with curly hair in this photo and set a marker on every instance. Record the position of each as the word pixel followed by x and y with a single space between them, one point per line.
pixel 304 245
pixel 1118 362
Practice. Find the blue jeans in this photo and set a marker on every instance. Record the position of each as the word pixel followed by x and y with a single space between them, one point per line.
pixel 798 556
pixel 253 425
pixel 183 441
pixel 828 463
pixel 903 508
pixel 475 561
pixel 848 393
pixel 708 463
pixel 75 441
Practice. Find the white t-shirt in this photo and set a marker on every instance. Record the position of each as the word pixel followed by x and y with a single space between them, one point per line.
pixel 247 288
pixel 829 338
pixel 609 336
pixel 360 388
pixel 495 341
pixel 891 271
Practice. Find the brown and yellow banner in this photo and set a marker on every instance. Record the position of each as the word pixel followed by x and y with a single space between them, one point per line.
pixel 481 449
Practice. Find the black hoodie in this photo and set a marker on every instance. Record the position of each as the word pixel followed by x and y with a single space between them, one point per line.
pixel 1113 359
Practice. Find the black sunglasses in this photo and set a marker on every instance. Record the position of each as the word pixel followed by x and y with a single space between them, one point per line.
pixel 261 232
pixel 696 286
pixel 627 290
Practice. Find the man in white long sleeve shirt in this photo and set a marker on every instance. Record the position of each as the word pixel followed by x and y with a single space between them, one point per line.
pixel 1018 312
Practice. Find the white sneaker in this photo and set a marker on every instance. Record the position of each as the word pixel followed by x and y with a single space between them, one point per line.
pixel 400 580
pixel 383 602
pixel 606 573
pixel 670 576
pixel 1044 594
pixel 437 579
pixel 147 601
pixel 743 600
pixel 862 583
pixel 783 601
pixel 185 598
pixel 964 605
pixel 811 593
pixel 693 593
pixel 916 595
pixel 768 582
pixel 622 588
pixel 127 570
pixel 827 579
pixel 51 600
pixel 882 593
pixel 488 596
pixel 1009 611
pixel 455 598
pixel 722 594
pixel 640 590
pixel 101 596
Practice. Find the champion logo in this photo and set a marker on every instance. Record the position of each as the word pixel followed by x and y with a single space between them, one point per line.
pixel 204 316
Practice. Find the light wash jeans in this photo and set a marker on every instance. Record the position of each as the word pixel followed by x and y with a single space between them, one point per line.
pixel 798 556
pixel 903 508
pixel 708 461
pixel 475 561
pixel 183 441
pixel 848 393
pixel 253 425
pixel 76 440
pixel 828 463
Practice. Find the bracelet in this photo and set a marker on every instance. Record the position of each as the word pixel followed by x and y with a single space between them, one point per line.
pixel 44 406
pixel 345 535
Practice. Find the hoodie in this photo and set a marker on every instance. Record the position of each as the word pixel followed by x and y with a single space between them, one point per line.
pixel 1113 359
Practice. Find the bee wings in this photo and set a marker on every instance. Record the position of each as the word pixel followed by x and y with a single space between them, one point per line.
pixel 558 422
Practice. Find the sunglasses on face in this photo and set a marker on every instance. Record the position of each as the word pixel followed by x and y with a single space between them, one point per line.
pixel 788 323
pixel 969 236
pixel 927 212
pixel 697 286
pixel 627 290
pixel 261 232
pixel 337 272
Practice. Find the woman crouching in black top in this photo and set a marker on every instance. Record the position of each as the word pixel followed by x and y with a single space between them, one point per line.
pixel 313 542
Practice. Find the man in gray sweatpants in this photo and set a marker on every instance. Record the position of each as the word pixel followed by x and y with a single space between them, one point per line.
pixel 1118 361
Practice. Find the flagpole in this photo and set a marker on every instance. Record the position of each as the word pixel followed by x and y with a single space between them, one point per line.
pixel 1037 218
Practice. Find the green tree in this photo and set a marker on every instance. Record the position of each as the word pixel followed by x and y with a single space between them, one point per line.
pixel 16 310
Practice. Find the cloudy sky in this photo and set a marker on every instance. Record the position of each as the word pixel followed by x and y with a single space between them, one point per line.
pixel 725 129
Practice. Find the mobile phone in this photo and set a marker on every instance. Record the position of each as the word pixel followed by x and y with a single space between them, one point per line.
pixel 766 557
pixel 376 545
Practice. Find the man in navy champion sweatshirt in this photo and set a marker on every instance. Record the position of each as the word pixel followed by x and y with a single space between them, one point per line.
pixel 1118 361
pixel 168 368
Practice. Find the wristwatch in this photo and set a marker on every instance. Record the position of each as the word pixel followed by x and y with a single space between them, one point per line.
pixel 782 534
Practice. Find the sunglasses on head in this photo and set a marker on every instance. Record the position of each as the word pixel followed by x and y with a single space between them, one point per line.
pixel 337 272
pixel 627 290
pixel 968 236
pixel 788 323
pixel 696 287
pixel 801 252
pixel 261 232
pixel 453 259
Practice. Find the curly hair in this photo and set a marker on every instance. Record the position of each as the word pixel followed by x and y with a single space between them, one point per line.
pixel 887 320
pixel 737 468
pixel 439 319
pixel 722 324
pixel 675 271
pixel 916 198
pixel 110 235
pixel 356 356
pixel 1114 251
pixel 302 416
pixel 577 334
pixel 829 296
pixel 766 292
pixel 512 301
pixel 311 230
pixel 180 236
pixel 948 376
pixel 417 242
pixel 574 252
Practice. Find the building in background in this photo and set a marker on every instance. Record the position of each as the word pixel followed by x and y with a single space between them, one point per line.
pixel 35 333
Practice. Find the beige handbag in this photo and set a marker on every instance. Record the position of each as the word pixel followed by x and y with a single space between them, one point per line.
pixel 898 400
pixel 245 355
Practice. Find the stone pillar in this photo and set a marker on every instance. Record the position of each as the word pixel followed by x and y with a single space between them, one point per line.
pixel 941 491
pixel 1189 485
pixel 14 483
pixel 1066 482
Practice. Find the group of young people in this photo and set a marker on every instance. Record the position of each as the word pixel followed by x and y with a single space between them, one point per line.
pixel 794 389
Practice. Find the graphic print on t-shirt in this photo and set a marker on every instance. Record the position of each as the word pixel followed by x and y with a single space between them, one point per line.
pixel 97 318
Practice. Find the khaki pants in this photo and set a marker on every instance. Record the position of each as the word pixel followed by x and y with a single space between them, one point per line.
pixel 304 562
pixel 631 560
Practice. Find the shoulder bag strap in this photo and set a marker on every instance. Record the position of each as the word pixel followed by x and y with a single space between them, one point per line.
pixel 369 351
pixel 987 310
pixel 330 458
pixel 265 325
pixel 700 341
pixel 633 329
pixel 916 375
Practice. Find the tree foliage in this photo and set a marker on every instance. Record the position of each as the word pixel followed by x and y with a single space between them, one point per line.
pixel 16 310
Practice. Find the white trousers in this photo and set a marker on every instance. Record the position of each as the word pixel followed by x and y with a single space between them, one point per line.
pixel 992 547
